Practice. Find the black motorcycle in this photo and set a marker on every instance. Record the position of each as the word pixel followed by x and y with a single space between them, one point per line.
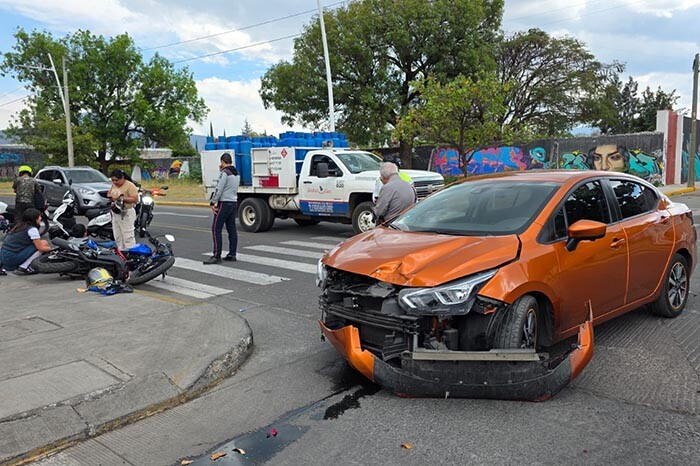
pixel 144 208
pixel 146 263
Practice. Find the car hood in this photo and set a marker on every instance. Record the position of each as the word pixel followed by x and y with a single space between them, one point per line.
pixel 416 175
pixel 95 186
pixel 421 259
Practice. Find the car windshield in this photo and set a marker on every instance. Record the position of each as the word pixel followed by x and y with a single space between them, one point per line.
pixel 86 176
pixel 476 208
pixel 358 162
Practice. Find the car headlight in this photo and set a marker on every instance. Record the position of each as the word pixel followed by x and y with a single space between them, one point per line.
pixel 450 299
pixel 147 200
pixel 321 273
pixel 86 192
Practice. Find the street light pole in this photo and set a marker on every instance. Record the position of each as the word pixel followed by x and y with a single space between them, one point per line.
pixel 331 105
pixel 693 126
pixel 66 104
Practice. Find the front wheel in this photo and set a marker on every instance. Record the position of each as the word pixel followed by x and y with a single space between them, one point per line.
pixel 674 292
pixel 363 217
pixel 142 223
pixel 158 267
pixel 520 326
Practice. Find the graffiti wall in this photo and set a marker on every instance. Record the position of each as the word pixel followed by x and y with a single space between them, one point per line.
pixel 639 154
pixel 686 150
pixel 13 156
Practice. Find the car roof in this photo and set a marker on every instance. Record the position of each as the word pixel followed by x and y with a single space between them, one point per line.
pixel 556 176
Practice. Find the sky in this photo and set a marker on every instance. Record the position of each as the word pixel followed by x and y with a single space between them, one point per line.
pixel 655 39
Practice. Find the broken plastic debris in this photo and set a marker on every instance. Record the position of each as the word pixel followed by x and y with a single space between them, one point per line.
pixel 272 433
pixel 239 450
pixel 242 310
pixel 186 462
pixel 81 290
pixel 407 446
pixel 216 456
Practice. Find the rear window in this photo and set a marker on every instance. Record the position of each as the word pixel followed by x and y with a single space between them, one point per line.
pixel 86 176
pixel 484 207
pixel 633 198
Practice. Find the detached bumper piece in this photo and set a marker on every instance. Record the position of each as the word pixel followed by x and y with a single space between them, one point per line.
pixel 498 374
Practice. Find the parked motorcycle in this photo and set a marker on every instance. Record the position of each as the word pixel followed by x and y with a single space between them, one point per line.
pixel 7 212
pixel 63 218
pixel 100 223
pixel 144 208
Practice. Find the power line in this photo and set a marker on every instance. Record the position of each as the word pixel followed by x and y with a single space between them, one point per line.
pixel 591 13
pixel 240 29
pixel 11 92
pixel 237 48
pixel 16 100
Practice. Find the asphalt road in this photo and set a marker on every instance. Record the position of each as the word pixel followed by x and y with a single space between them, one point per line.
pixel 636 403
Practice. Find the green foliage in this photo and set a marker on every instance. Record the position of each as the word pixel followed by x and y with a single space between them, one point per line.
pixel 377 48
pixel 118 102
pixel 617 108
pixel 551 78
pixel 463 113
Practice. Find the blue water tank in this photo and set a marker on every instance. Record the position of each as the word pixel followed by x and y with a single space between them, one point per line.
pixel 246 170
pixel 318 141
pixel 221 146
pixel 210 146
pixel 336 142
pixel 342 136
pixel 238 161
pixel 246 147
pixel 210 139
pixel 236 146
pixel 239 138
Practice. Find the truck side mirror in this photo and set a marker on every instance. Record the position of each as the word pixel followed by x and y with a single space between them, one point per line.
pixel 322 169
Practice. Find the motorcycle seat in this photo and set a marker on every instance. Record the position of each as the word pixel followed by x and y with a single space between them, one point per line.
pixel 65 244
pixel 92 213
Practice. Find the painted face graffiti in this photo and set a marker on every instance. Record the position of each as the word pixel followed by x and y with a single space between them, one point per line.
pixel 609 157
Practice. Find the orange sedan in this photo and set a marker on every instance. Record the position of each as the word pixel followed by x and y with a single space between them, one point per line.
pixel 460 294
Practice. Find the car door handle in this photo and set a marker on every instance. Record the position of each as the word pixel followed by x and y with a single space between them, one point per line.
pixel 308 182
pixel 617 243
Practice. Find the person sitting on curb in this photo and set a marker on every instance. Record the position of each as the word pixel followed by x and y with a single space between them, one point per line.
pixel 23 244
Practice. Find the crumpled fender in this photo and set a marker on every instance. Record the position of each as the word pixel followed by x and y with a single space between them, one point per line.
pixel 507 380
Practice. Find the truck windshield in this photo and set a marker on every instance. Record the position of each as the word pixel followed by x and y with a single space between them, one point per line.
pixel 358 162
pixel 479 208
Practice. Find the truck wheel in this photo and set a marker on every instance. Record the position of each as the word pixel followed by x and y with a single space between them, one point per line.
pixel 255 215
pixel 363 217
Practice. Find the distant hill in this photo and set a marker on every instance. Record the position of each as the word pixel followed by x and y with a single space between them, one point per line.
pixel 5 140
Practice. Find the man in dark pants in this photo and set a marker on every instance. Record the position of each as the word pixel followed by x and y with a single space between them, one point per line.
pixel 223 203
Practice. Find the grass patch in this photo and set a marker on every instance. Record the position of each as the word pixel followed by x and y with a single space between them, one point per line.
pixel 178 188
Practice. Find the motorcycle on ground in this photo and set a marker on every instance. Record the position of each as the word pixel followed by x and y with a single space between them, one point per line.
pixel 134 266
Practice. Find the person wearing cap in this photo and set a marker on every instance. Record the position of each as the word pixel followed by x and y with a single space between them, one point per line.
pixel 223 203
pixel 124 195
pixel 396 160
pixel 25 188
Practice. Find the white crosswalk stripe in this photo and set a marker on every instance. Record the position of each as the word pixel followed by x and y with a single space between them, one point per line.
pixel 280 263
pixel 286 251
pixel 187 287
pixel 228 272
pixel 309 244
pixel 330 238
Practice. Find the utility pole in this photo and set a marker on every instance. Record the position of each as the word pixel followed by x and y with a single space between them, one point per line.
pixel 331 115
pixel 63 91
pixel 693 126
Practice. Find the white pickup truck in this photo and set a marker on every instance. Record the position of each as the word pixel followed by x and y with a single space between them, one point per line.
pixel 308 185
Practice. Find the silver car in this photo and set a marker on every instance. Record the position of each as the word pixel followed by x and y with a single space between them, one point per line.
pixel 89 186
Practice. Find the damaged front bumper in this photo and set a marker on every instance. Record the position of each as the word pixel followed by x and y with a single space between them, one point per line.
pixel 497 374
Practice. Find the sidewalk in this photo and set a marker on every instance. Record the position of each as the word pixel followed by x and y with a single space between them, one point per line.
pixel 677 189
pixel 75 365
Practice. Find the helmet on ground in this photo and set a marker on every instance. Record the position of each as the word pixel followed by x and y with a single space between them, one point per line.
pixel 99 277
pixel 25 168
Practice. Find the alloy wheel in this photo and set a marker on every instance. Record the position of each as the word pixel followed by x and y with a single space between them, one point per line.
pixel 677 285
pixel 529 339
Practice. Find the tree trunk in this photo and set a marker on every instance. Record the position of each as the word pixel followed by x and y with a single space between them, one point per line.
pixel 104 165
pixel 406 154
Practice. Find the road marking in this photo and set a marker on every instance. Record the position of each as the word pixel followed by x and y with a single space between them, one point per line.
pixel 286 251
pixel 228 272
pixel 330 238
pixel 272 262
pixel 189 288
pixel 181 215
pixel 310 245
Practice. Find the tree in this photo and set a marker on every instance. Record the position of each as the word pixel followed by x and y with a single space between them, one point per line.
pixel 247 130
pixel 463 114
pixel 551 78
pixel 617 109
pixel 377 48
pixel 118 103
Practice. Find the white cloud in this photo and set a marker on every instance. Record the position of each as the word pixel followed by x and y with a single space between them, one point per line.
pixel 665 8
pixel 231 103
pixel 681 82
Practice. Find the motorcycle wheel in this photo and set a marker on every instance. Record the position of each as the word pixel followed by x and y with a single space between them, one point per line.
pixel 159 267
pixel 142 223
pixel 48 263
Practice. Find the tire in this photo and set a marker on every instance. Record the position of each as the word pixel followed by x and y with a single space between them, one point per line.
pixel 306 222
pixel 675 289
pixel 520 327
pixel 254 215
pixel 48 263
pixel 142 224
pixel 137 277
pixel 363 217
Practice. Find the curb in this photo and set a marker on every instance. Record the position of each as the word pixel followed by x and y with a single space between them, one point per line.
pixel 183 203
pixel 220 368
pixel 678 192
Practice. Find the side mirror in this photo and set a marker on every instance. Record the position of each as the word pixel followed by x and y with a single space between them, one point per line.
pixel 322 170
pixel 58 181
pixel 584 230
